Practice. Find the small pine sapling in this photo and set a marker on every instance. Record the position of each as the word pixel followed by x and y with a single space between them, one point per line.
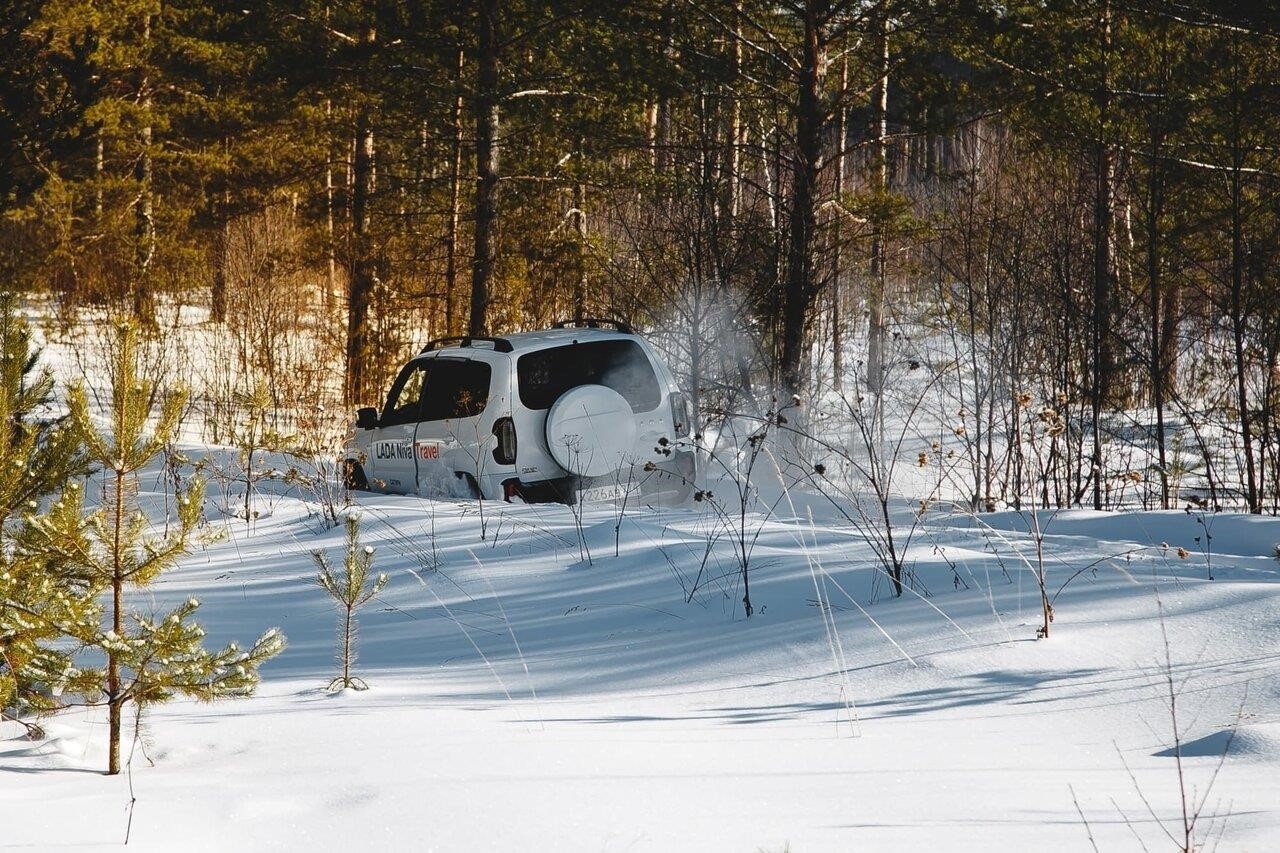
pixel 39 605
pixel 350 589
pixel 38 456
pixel 255 436
pixel 47 610
pixel 115 551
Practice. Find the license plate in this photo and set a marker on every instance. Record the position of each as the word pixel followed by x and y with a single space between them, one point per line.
pixel 596 494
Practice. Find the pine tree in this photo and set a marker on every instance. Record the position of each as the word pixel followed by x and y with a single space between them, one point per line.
pixel 43 95
pixel 38 457
pixel 156 657
pixel 350 589
pixel 38 605
pixel 41 608
pixel 253 436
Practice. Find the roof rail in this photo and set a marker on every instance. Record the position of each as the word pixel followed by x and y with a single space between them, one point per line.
pixel 595 323
pixel 499 344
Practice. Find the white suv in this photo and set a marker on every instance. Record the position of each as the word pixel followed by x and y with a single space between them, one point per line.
pixel 585 410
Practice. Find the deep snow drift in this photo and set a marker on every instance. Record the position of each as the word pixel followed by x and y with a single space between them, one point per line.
pixel 523 698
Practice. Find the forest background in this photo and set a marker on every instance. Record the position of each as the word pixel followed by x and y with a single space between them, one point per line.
pixel 1079 199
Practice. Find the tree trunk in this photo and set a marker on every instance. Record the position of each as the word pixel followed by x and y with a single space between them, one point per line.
pixel 222 260
pixel 1156 296
pixel 801 286
pixel 115 696
pixel 144 219
pixel 330 248
pixel 837 315
pixel 1238 308
pixel 218 291
pixel 455 199
pixel 731 181
pixel 362 265
pixel 1103 354
pixel 346 650
pixel 99 168
pixel 880 184
pixel 1170 317
pixel 580 231
pixel 487 144
pixel 662 156
pixel 115 699
pixel 1239 332
pixel 695 356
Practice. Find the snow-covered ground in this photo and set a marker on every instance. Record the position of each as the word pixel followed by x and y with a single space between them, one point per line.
pixel 522 698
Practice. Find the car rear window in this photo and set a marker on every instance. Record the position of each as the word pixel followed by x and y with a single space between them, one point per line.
pixel 621 365
pixel 454 388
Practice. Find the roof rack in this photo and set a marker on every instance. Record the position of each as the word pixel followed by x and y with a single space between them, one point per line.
pixel 499 344
pixel 595 323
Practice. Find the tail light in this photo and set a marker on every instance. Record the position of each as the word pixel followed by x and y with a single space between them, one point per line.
pixel 681 414
pixel 505 431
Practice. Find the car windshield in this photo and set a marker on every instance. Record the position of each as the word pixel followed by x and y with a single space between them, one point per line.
pixel 620 364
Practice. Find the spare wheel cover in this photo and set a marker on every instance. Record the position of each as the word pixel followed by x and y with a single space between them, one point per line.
pixel 591 430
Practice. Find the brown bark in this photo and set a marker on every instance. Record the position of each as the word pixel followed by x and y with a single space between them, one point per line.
pixel 1157 296
pixel 580 230
pixel 455 205
pixel 221 261
pixel 330 249
pixel 1103 354
pixel 662 157
pixel 484 261
pixel 144 219
pixel 218 291
pixel 362 264
pixel 837 316
pixel 731 180
pixel 115 696
pixel 1239 332
pixel 800 286
pixel 880 178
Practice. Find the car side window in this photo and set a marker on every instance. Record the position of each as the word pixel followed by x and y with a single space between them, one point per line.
pixel 622 365
pixel 456 388
pixel 404 403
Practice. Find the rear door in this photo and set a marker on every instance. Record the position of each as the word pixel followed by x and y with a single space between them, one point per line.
pixel 455 433
pixel 544 375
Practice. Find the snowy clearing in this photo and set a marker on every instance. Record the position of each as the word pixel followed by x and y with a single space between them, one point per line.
pixel 524 699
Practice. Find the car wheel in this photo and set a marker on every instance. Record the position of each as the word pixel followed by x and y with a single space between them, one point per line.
pixel 470 486
pixel 353 476
pixel 559 491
